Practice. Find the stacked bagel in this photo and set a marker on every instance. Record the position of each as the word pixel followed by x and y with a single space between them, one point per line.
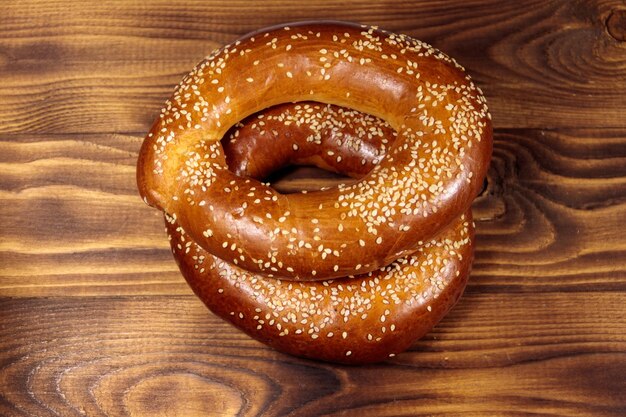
pixel 353 273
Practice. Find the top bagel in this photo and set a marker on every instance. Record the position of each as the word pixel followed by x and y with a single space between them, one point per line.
pixel 428 177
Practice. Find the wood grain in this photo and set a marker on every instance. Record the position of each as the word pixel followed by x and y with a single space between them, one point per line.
pixel 97 356
pixel 108 67
pixel 96 320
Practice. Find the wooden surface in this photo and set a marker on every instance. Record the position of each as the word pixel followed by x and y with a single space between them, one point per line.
pixel 96 320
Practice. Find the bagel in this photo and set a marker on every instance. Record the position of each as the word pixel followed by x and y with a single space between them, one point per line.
pixel 426 179
pixel 352 320
pixel 330 137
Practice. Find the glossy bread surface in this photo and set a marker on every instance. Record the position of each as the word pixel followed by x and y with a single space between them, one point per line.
pixel 427 178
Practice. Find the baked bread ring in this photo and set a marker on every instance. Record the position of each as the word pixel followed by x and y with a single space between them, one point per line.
pixel 427 178
pixel 308 133
pixel 357 320
pixel 351 320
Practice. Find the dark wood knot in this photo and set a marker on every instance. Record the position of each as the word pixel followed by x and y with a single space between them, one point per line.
pixel 616 24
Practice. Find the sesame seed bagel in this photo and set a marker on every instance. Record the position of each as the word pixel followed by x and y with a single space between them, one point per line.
pixel 357 320
pixel 307 133
pixel 426 179
pixel 351 320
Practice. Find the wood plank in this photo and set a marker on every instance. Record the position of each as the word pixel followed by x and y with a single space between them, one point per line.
pixel 550 218
pixel 518 354
pixel 108 67
pixel 96 320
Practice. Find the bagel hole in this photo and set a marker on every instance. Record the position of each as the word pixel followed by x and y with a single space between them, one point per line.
pixel 294 179
pixel 287 176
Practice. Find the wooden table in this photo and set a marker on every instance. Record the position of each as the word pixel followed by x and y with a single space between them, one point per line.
pixel 95 318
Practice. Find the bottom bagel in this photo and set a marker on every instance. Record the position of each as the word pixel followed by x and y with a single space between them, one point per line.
pixel 354 320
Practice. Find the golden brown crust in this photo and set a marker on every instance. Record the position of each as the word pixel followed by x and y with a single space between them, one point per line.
pixel 357 320
pixel 307 133
pixel 351 320
pixel 428 177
